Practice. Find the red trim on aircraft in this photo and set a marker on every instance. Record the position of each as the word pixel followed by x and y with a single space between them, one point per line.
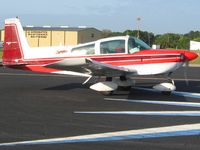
pixel 40 69
pixel 12 53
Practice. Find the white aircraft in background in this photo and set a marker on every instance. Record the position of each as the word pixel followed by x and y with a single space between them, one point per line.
pixel 117 58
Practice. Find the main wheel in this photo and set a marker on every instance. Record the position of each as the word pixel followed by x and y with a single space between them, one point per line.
pixel 126 87
pixel 107 93
pixel 108 78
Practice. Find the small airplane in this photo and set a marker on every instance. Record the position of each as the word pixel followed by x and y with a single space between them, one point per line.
pixel 116 58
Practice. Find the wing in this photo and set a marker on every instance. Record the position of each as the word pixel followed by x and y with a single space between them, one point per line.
pixel 89 67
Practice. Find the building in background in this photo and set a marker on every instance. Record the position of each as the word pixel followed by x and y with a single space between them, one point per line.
pixel 55 36
pixel 194 45
pixel 154 46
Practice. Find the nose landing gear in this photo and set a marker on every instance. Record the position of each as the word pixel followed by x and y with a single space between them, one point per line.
pixel 166 87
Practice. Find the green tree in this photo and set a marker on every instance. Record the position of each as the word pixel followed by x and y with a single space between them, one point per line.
pixel 106 33
pixel 183 43
pixel 147 37
pixel 193 34
pixel 162 40
pixel 117 34
pixel 131 32
pixel 168 40
pixel 196 39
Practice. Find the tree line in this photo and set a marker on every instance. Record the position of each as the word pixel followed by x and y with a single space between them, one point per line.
pixel 167 40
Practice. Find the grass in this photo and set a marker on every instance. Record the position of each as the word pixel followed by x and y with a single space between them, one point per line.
pixel 197 60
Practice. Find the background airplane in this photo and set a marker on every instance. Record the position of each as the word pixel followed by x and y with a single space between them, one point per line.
pixel 116 58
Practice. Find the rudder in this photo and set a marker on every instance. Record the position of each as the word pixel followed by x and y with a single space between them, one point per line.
pixel 14 43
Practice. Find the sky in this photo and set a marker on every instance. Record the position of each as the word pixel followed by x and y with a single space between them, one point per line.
pixel 157 16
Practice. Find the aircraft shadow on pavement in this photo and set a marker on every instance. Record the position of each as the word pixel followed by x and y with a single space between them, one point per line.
pixel 69 86
pixel 190 86
pixel 134 93
pixel 138 94
pixel 182 86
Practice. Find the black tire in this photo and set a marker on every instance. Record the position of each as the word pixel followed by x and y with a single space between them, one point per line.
pixel 124 88
pixel 166 93
pixel 107 93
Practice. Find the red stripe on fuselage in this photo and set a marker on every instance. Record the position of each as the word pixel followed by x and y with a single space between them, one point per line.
pixel 139 58
pixel 142 61
pixel 118 59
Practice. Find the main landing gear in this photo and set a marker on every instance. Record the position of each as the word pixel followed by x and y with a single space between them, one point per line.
pixel 123 83
pixel 110 85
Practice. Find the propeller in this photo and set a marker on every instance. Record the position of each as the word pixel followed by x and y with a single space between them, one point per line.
pixel 187 56
pixel 186 72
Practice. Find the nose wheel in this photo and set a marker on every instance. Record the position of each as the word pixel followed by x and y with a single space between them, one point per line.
pixel 169 80
pixel 166 93
pixel 167 87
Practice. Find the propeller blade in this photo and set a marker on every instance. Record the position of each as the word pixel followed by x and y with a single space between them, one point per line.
pixel 185 73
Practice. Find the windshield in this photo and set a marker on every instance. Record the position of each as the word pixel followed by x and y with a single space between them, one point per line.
pixel 112 46
pixel 135 44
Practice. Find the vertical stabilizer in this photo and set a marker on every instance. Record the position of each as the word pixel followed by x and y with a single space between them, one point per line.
pixel 15 43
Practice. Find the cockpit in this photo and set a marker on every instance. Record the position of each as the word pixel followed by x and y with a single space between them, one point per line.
pixel 113 45
pixel 135 45
pixel 126 45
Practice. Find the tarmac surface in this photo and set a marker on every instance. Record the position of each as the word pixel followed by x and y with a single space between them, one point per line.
pixel 35 106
